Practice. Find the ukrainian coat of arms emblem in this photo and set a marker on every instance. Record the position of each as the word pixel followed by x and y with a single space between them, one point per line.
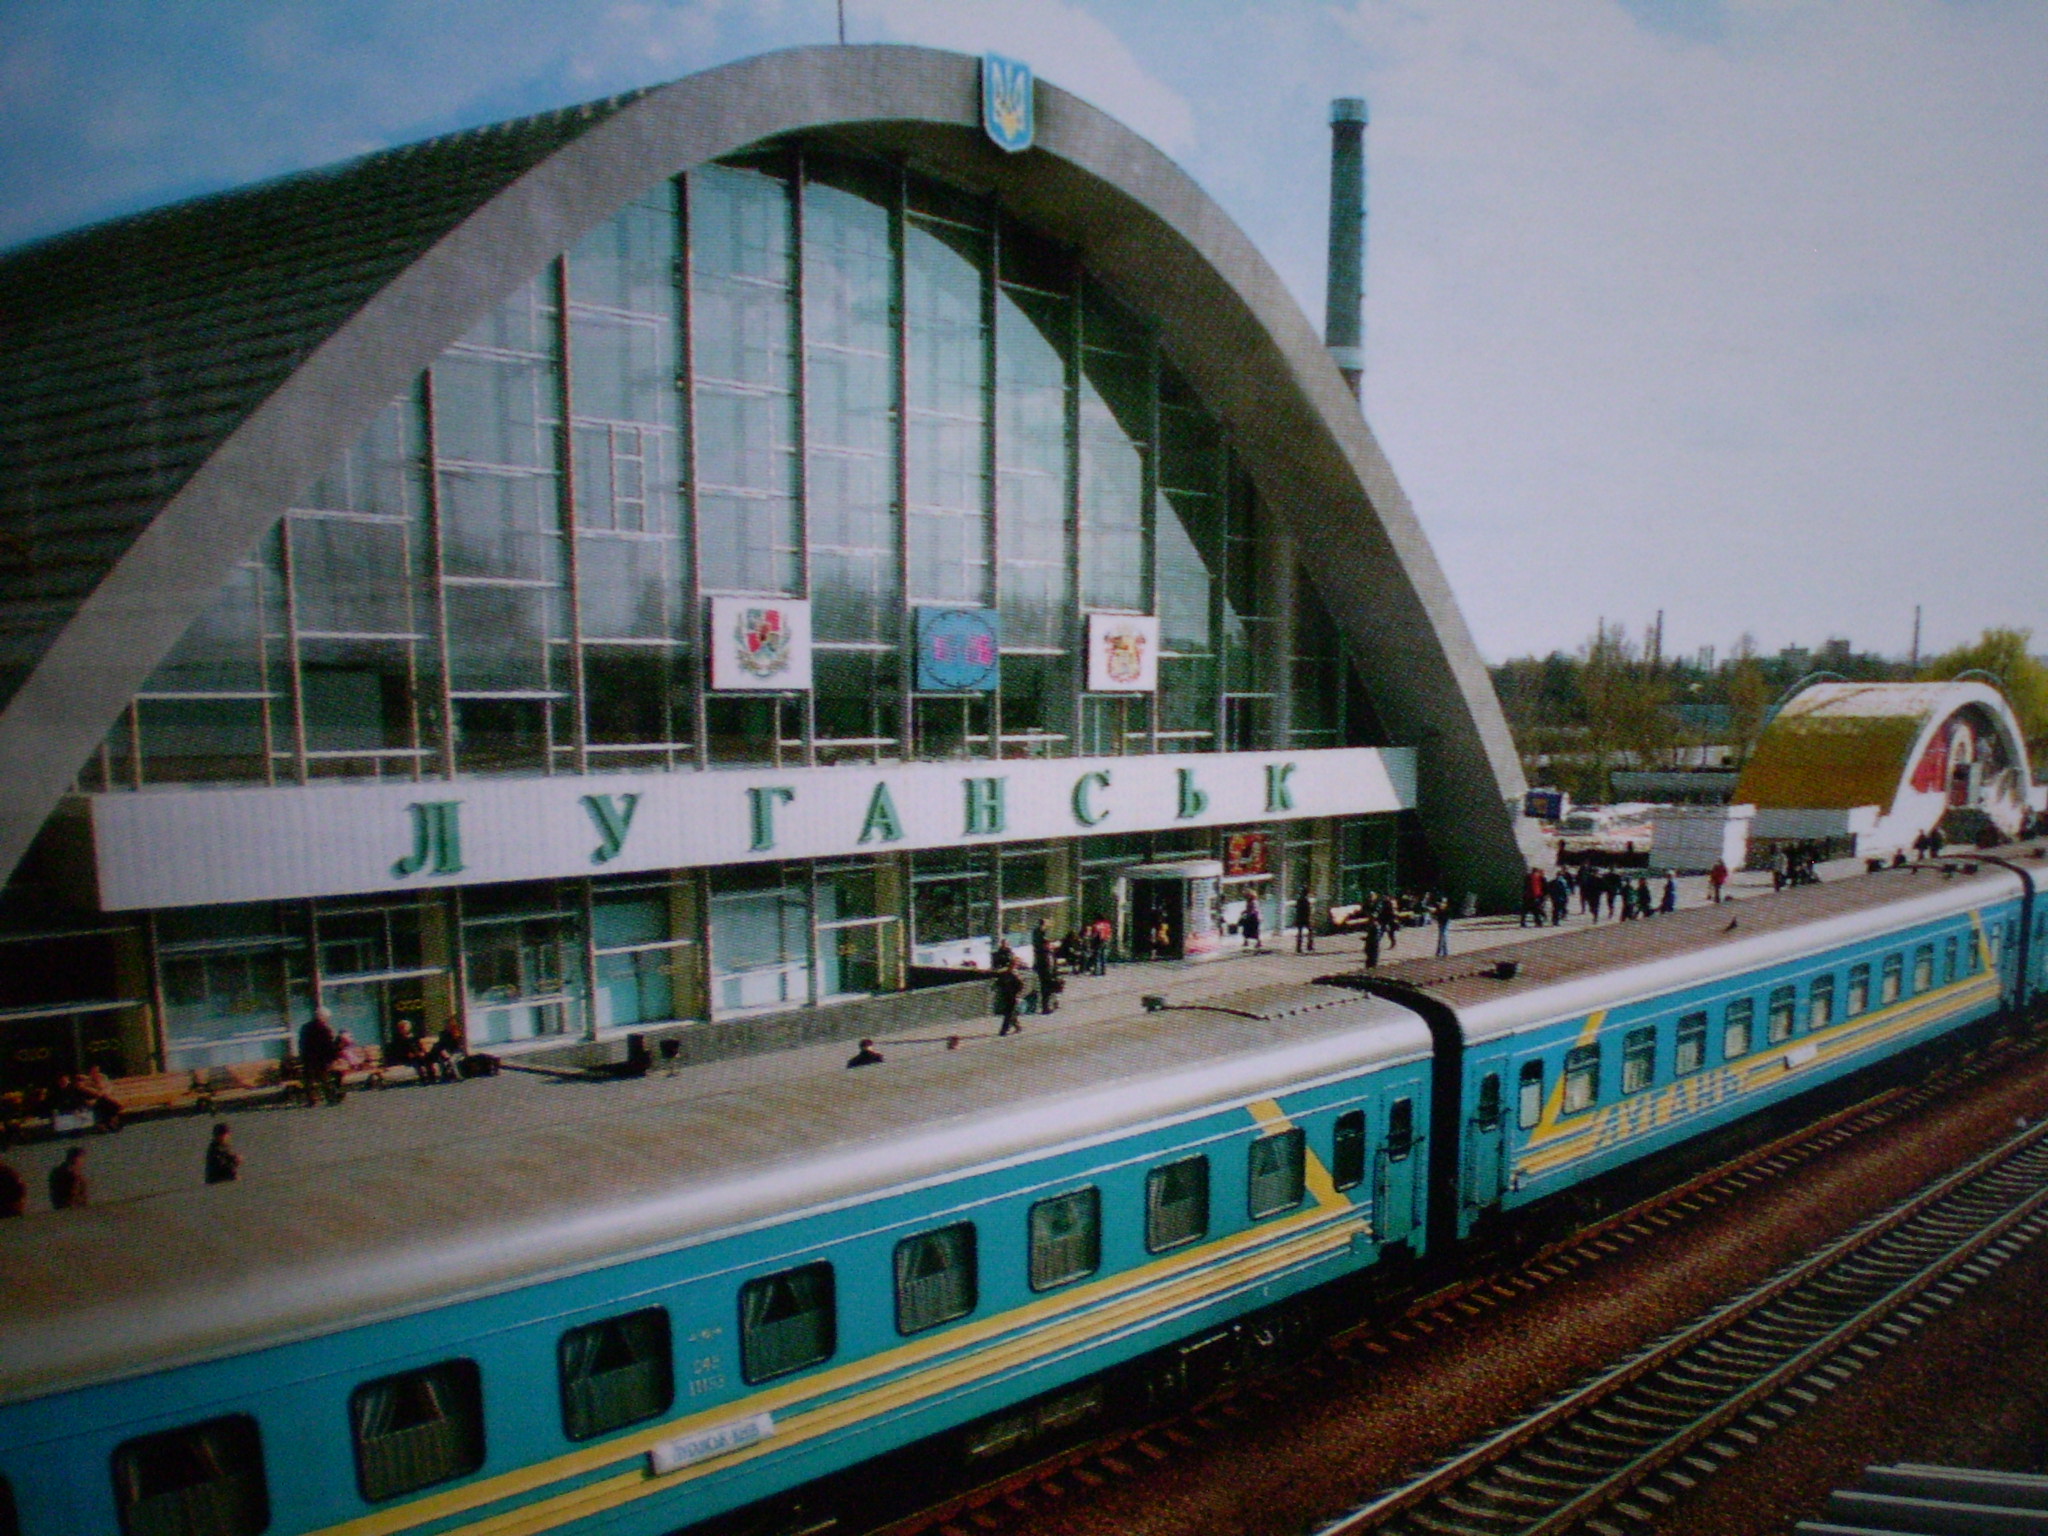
pixel 1007 114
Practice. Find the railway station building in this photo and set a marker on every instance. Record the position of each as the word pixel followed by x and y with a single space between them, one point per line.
pixel 705 557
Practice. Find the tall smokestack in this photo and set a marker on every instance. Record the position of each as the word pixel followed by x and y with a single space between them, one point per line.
pixel 1344 318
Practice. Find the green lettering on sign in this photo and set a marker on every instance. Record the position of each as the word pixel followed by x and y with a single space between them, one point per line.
pixel 1279 795
pixel 1193 800
pixel 436 839
pixel 1084 803
pixel 761 805
pixel 882 821
pixel 613 819
pixel 984 807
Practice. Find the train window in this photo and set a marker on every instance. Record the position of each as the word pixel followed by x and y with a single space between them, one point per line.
pixel 1638 1060
pixel 1529 1095
pixel 1948 958
pixel 1066 1238
pixel 1991 945
pixel 1820 1002
pixel 1691 1053
pixel 1276 1173
pixel 1347 1150
pixel 1581 1078
pixel 1859 991
pixel 1735 1026
pixel 788 1321
pixel 1923 967
pixel 1177 1203
pixel 1487 1110
pixel 1784 1014
pixel 418 1429
pixel 204 1480
pixel 935 1277
pixel 615 1372
pixel 1973 962
pixel 1400 1129
pixel 1892 980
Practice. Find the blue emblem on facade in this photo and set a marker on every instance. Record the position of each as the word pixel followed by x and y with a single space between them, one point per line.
pixel 1007 112
pixel 957 650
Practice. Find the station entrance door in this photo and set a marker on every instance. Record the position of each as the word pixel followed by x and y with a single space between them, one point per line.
pixel 1170 911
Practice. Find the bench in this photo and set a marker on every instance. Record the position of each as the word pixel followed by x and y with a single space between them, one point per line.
pixel 367 1072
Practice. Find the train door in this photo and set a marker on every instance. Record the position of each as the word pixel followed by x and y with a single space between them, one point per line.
pixel 1485 1147
pixel 1398 1175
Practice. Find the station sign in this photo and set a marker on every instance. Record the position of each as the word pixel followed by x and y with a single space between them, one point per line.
pixel 176 848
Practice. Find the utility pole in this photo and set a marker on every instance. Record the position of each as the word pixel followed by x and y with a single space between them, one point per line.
pixel 842 23
pixel 1916 638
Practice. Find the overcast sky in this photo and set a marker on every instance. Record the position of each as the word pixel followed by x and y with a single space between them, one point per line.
pixel 1736 309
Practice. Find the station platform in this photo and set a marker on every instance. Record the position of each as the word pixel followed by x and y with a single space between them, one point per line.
pixel 152 1157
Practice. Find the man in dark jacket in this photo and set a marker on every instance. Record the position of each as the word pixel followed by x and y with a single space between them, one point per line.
pixel 68 1186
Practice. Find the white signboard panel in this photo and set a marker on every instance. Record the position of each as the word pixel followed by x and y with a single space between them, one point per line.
pixel 760 644
pixel 1123 653
pixel 192 847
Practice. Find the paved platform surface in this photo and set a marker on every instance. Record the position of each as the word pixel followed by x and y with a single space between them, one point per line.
pixel 155 1156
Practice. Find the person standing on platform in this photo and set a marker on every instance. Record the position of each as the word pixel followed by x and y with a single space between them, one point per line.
pixel 1442 913
pixel 223 1162
pixel 1560 898
pixel 1046 965
pixel 1248 925
pixel 69 1187
pixel 317 1047
pixel 1098 947
pixel 1372 946
pixel 1388 916
pixel 866 1056
pixel 1304 925
pixel 1716 878
pixel 1669 903
pixel 1009 988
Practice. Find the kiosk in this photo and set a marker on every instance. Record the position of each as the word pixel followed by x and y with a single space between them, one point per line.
pixel 1184 898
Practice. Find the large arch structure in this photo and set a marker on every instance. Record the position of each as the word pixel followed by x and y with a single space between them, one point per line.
pixel 83 641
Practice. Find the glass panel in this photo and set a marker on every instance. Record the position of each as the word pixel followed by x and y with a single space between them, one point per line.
pixel 1820 1002
pixel 1177 1203
pixel 1858 997
pixel 498 638
pixel 1691 1052
pixel 1784 1014
pixel 1066 1238
pixel 1276 1173
pixel 1735 1027
pixel 1529 1095
pixel 1923 967
pixel 203 1481
pixel 415 1430
pixel 615 1372
pixel 1581 1078
pixel 1638 1060
pixel 1347 1150
pixel 380 474
pixel 357 695
pixel 787 1322
pixel 935 1277
pixel 1893 978
pixel 1400 1129
pixel 760 938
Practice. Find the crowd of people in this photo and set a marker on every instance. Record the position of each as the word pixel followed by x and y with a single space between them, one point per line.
pixel 1623 895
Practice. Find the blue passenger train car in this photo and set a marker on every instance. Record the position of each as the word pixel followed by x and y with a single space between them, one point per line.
pixel 631 1321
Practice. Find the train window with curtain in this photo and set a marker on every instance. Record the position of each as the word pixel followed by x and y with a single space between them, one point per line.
pixel 1066 1238
pixel 1529 1095
pixel 1347 1150
pixel 418 1429
pixel 1276 1176
pixel 1923 967
pixel 1487 1110
pixel 203 1480
pixel 787 1321
pixel 1892 981
pixel 615 1372
pixel 1784 1014
pixel 1820 1002
pixel 1581 1078
pixel 1400 1129
pixel 1859 991
pixel 1691 1052
pixel 1177 1203
pixel 1948 958
pixel 1736 1021
pixel 1973 958
pixel 1638 1060
pixel 935 1277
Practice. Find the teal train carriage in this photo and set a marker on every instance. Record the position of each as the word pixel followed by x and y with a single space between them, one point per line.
pixel 1589 1053
pixel 630 1320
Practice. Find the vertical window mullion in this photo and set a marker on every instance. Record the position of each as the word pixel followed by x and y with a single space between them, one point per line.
pixel 437 554
pixel 565 518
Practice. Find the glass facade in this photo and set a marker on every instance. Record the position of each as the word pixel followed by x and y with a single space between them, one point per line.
pixel 788 374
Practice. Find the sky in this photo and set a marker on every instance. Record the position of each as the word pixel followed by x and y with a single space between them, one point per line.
pixel 1735 310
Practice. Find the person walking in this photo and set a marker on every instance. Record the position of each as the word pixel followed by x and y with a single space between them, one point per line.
pixel 1372 946
pixel 1009 992
pixel 223 1162
pixel 69 1187
pixel 318 1046
pixel 1669 903
pixel 1442 913
pixel 1304 919
pixel 1248 925
pixel 1560 898
pixel 1045 966
pixel 1716 878
pixel 1098 947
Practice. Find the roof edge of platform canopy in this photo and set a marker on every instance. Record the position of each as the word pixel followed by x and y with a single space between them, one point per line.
pixel 1139 223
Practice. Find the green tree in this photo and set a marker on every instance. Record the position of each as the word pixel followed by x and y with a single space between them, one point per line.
pixel 2023 680
pixel 1748 697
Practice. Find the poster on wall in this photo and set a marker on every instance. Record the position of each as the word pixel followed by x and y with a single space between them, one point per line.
pixel 1123 653
pixel 760 644
pixel 957 650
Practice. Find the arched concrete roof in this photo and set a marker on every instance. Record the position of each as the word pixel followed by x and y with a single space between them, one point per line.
pixel 1137 221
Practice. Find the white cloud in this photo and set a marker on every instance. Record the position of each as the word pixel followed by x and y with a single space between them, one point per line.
pixel 1062 42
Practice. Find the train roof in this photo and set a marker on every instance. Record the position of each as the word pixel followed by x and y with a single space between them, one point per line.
pixel 1572 973
pixel 106 1292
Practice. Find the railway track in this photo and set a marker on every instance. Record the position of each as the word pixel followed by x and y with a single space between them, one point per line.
pixel 1617 1449
pixel 1011 1501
